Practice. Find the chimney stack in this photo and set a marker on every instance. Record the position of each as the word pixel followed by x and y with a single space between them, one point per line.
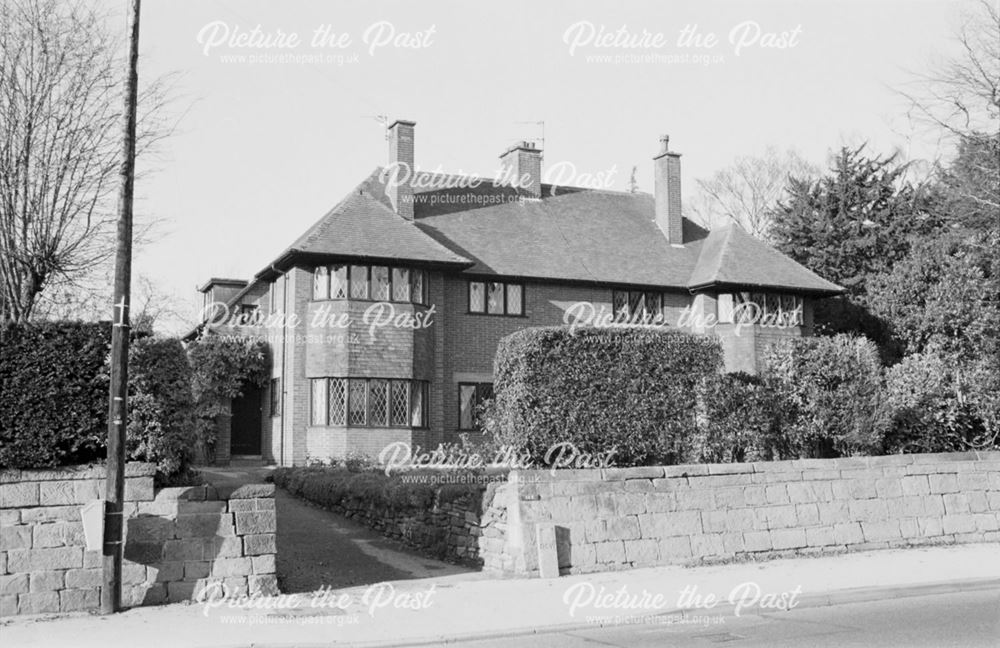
pixel 667 192
pixel 521 164
pixel 401 158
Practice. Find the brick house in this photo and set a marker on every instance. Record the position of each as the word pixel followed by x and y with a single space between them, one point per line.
pixel 402 291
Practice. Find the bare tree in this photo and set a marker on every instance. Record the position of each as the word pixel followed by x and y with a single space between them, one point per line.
pixel 746 191
pixel 961 94
pixel 60 112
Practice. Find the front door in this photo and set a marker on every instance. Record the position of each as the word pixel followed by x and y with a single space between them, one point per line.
pixel 246 422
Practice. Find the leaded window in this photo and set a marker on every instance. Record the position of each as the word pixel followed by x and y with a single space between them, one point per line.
pixel 496 298
pixel 321 283
pixel 338 282
pixel 359 282
pixel 399 403
pixel 338 401
pixel 378 402
pixel 357 402
pixel 515 299
pixel 380 283
pixel 369 402
pixel 401 284
pixel 477 297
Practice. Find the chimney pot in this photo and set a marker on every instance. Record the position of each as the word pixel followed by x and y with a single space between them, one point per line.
pixel 664 143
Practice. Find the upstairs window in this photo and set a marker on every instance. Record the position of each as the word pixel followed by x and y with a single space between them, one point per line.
pixel 370 283
pixel 496 298
pixel 359 282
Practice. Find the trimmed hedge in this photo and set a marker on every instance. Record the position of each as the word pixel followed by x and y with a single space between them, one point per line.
pixel 161 407
pixel 337 487
pixel 54 381
pixel 632 390
pixel 54 390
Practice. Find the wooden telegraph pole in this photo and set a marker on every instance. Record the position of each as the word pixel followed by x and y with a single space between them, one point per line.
pixel 111 592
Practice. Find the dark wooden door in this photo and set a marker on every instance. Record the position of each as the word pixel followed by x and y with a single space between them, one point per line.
pixel 246 422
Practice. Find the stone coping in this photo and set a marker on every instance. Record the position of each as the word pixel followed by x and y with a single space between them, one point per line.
pixel 63 473
pixel 792 465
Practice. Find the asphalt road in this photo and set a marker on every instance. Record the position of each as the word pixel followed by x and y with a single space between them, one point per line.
pixel 964 619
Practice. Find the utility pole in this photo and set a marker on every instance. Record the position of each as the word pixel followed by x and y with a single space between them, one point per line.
pixel 114 523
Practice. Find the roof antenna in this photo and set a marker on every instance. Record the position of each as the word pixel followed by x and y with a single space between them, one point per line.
pixel 542 125
pixel 382 119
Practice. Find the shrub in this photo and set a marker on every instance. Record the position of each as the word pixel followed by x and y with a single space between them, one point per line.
pixel 161 408
pixel 738 420
pixel 221 366
pixel 828 391
pixel 631 390
pixel 930 411
pixel 54 390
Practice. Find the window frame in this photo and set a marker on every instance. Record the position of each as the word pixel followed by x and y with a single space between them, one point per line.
pixel 477 400
pixel 417 281
pixel 412 385
pixel 505 310
pixel 275 397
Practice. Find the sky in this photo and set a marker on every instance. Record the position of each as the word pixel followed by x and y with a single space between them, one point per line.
pixel 269 138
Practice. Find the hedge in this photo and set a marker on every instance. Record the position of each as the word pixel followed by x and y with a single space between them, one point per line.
pixel 54 390
pixel 630 390
pixel 54 382
pixel 161 407
pixel 829 397
pixel 334 487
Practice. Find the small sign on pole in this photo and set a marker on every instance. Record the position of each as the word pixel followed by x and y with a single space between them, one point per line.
pixel 93 524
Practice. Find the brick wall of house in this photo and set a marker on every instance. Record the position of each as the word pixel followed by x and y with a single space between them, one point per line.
pixel 457 347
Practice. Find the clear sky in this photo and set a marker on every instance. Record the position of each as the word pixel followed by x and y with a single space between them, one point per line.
pixel 264 148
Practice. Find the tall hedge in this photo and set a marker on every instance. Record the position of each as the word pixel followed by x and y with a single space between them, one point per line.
pixel 161 406
pixel 829 396
pixel 54 393
pixel 630 389
pixel 54 381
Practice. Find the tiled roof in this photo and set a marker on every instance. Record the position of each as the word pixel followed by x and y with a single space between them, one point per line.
pixel 363 224
pixel 580 235
pixel 571 234
pixel 730 256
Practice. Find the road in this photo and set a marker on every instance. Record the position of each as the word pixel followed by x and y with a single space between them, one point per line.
pixel 964 619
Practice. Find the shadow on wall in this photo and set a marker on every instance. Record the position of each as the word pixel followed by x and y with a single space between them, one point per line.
pixel 194 543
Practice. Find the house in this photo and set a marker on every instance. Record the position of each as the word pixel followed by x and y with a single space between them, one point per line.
pixel 384 317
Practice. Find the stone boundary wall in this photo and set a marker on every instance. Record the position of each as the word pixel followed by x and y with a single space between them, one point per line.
pixel 615 519
pixel 178 540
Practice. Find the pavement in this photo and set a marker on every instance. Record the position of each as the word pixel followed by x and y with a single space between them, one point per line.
pixel 466 607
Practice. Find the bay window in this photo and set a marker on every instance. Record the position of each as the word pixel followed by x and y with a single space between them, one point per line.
pixel 370 283
pixel 369 402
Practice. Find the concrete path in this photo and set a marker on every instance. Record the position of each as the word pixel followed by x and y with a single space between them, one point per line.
pixel 317 548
